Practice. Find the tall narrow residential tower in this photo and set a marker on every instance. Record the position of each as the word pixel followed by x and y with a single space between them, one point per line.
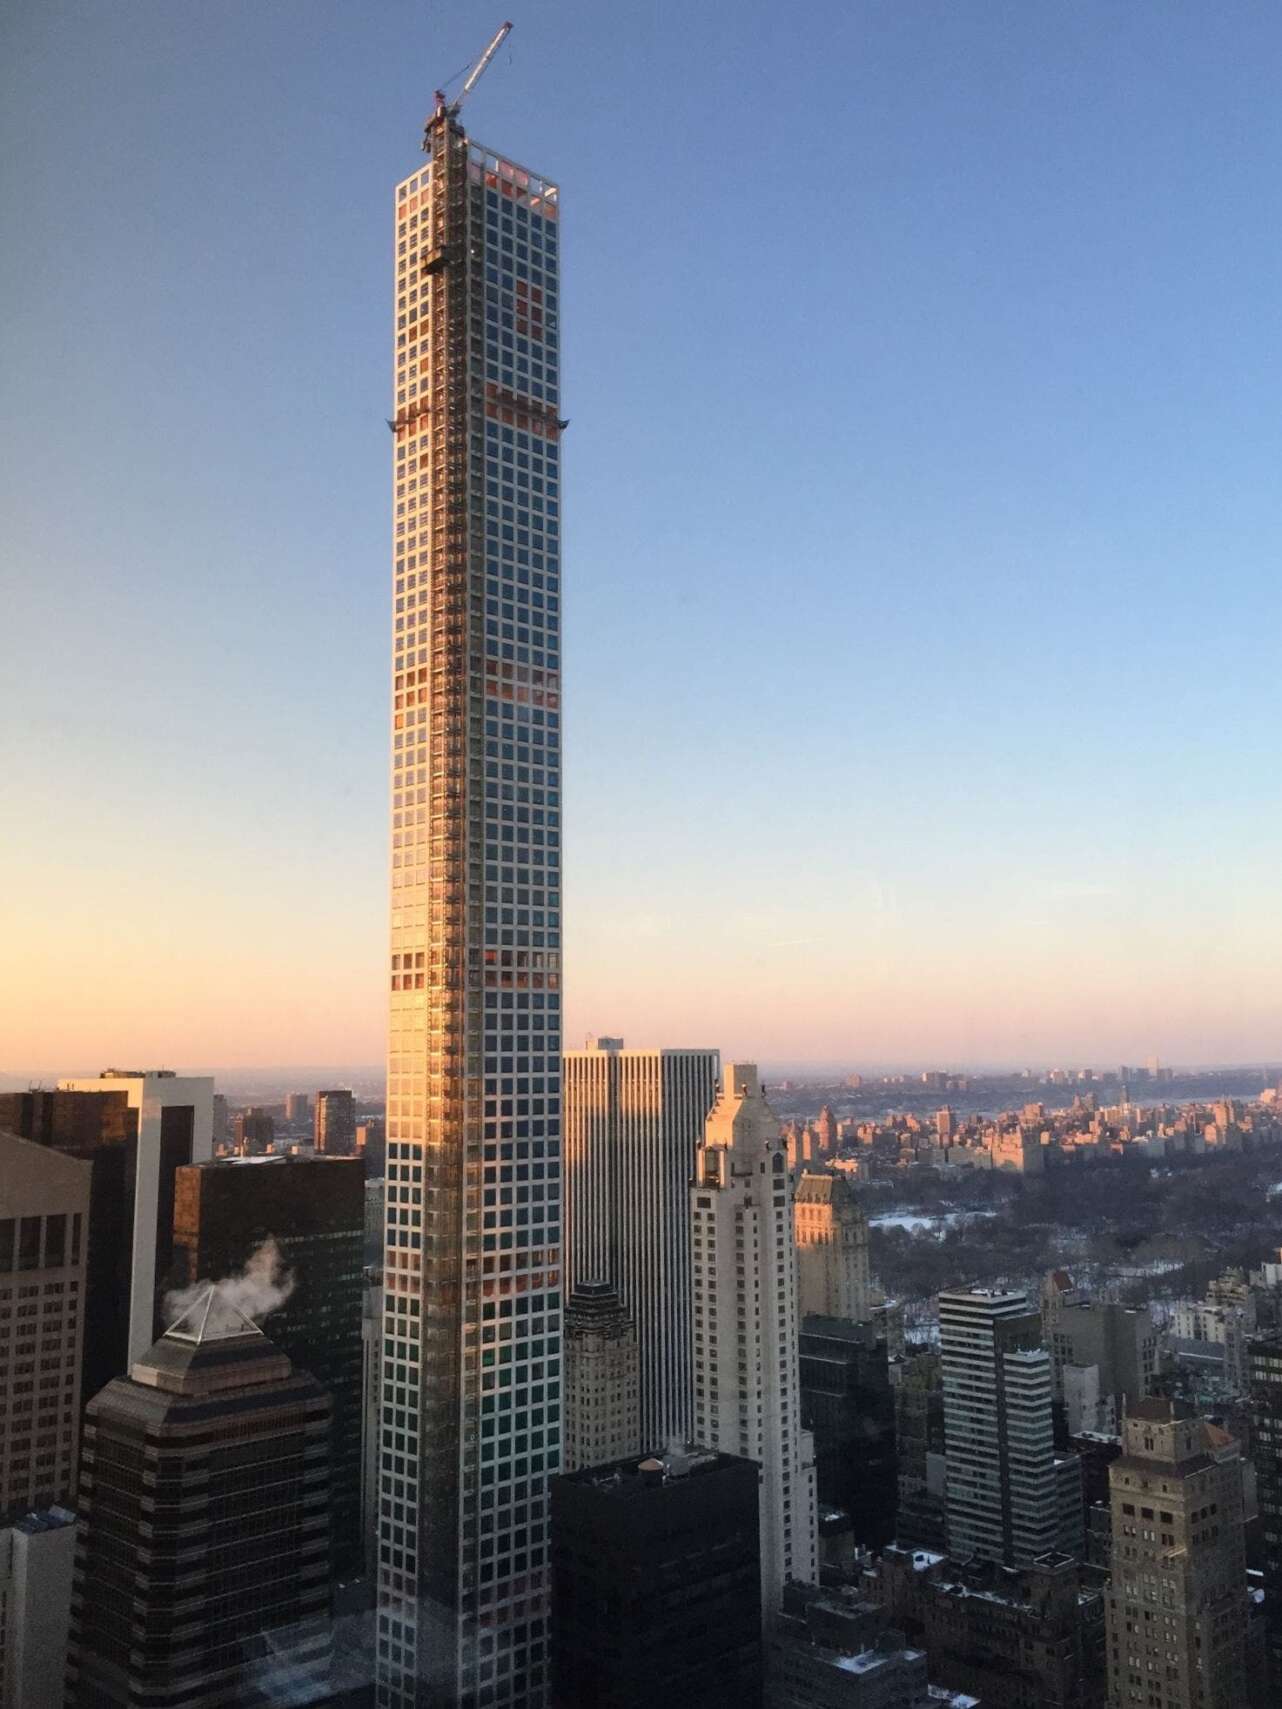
pixel 470 1413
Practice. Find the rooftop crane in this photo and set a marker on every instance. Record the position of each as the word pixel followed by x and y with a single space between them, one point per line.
pixel 449 109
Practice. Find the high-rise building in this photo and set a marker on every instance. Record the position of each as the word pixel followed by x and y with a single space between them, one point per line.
pixel 204 1502
pixel 633 1121
pixel 1003 1496
pixel 832 1248
pixel 471 1414
pixel 1266 1456
pixel 134 1129
pixel 313 1210
pixel 253 1131
pixel 656 1586
pixel 44 1209
pixel 747 1392
pixel 37 1554
pixel 172 1123
pixel 298 1109
pixel 849 1407
pixel 334 1123
pixel 1176 1601
pixel 599 1349
pixel 920 1459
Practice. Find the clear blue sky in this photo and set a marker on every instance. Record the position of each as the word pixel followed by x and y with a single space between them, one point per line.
pixel 923 520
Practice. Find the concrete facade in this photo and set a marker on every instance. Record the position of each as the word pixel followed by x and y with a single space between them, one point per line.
pixel 747 1392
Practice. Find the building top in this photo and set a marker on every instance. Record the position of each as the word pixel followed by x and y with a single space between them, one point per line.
pixel 1159 1409
pixel 595 1308
pixel 631 1479
pixel 818 1187
pixel 43 1519
pixel 742 1123
pixel 841 1329
pixel 28 1165
pixel 138 1074
pixel 213 1346
pixel 986 1296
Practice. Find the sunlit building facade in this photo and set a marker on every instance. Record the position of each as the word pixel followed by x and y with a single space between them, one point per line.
pixel 470 1391
pixel 633 1122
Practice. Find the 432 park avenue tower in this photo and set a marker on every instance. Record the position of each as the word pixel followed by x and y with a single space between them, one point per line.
pixel 470 1417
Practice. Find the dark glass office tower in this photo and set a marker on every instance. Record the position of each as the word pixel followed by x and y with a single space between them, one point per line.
pixel 313 1209
pixel 657 1584
pixel 470 1422
pixel 204 1506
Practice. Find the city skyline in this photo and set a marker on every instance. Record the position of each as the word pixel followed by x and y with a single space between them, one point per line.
pixel 973 604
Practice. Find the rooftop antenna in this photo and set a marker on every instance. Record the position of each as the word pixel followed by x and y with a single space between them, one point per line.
pixel 449 109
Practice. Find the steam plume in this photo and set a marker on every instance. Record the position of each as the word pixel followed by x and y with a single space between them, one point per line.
pixel 261 1287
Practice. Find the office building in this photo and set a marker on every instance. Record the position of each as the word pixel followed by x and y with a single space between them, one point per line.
pixel 44 1210
pixel 656 1588
pixel 1003 1496
pixel 1031 1638
pixel 313 1210
pixel 471 1418
pixel 848 1406
pixel 832 1248
pixel 170 1118
pixel 922 1465
pixel 1265 1361
pixel 298 1109
pixel 602 1376
pixel 371 1146
pixel 334 1123
pixel 1105 1355
pixel 37 1554
pixel 253 1131
pixel 133 1129
pixel 1176 1599
pixel 633 1120
pixel 747 1392
pixel 204 1505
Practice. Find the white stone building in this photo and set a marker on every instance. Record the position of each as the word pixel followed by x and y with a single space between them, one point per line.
pixel 747 1397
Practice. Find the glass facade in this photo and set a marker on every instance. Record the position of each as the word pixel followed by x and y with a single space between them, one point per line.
pixel 471 1380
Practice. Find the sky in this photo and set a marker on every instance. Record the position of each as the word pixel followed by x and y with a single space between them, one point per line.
pixel 922 521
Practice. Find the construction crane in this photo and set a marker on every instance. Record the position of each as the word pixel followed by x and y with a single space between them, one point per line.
pixel 449 109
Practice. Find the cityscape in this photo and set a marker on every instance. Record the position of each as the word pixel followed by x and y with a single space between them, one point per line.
pixel 536 1370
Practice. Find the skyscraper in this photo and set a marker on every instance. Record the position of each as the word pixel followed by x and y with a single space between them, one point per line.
pixel 633 1121
pixel 657 1584
pixel 599 1347
pixel 470 1420
pixel 44 1206
pixel 998 1427
pixel 747 1391
pixel 1176 1603
pixel 334 1123
pixel 313 1210
pixel 204 1498
pixel 172 1121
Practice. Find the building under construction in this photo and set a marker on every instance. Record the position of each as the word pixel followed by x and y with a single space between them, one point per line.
pixel 470 1419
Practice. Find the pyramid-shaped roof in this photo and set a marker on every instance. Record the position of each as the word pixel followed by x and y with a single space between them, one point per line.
pixel 213 1346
